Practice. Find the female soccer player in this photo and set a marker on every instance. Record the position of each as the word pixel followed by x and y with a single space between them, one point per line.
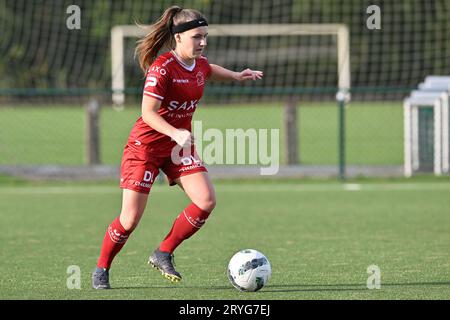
pixel 174 85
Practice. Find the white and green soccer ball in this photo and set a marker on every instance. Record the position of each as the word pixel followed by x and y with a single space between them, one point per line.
pixel 249 270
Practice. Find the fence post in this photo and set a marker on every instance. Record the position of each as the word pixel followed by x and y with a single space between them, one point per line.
pixel 92 137
pixel 291 136
pixel 342 97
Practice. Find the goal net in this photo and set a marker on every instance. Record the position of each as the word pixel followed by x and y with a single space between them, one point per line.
pixel 408 41
pixel 269 47
pixel 57 55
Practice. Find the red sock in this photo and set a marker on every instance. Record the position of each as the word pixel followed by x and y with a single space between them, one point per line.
pixel 114 240
pixel 187 223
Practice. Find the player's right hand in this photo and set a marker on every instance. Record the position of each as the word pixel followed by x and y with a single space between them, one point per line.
pixel 183 138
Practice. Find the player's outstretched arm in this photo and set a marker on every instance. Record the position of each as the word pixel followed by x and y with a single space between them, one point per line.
pixel 219 73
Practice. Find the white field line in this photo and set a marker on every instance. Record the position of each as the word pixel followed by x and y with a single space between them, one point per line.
pixel 76 190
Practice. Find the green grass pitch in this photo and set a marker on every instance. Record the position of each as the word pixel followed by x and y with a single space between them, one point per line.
pixel 320 237
pixel 54 134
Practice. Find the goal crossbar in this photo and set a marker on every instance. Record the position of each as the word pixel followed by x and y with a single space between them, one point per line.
pixel 118 33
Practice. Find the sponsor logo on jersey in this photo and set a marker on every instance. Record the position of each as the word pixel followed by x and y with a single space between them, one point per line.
pixel 185 105
pixel 143 184
pixel 180 115
pixel 200 78
pixel 148 176
pixel 159 70
pixel 188 168
pixel 167 62
pixel 181 80
pixel 151 82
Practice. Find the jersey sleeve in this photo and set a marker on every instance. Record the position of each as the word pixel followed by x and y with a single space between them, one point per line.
pixel 156 81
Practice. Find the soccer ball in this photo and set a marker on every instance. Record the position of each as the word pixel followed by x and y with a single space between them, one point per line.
pixel 249 270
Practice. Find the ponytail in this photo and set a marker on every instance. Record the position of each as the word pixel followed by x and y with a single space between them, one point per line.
pixel 159 37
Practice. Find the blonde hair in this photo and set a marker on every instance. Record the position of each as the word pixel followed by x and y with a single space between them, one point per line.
pixel 160 36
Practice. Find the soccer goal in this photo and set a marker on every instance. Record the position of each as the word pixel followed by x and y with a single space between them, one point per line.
pixel 250 32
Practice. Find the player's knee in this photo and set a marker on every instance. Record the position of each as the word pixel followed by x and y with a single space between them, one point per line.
pixel 208 203
pixel 129 225
pixel 129 221
pixel 211 204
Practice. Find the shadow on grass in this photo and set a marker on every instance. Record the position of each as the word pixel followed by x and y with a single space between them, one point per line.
pixel 296 287
pixel 175 286
pixel 344 287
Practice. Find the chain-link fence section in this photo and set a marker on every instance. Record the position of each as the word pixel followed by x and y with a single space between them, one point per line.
pixel 52 73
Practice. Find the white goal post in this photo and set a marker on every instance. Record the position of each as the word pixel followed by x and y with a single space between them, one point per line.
pixel 118 33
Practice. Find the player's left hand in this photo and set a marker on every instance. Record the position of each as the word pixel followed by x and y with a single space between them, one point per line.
pixel 249 74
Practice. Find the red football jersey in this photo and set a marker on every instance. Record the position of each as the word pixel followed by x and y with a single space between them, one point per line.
pixel 179 89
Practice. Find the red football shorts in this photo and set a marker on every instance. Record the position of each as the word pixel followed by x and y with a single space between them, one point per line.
pixel 139 170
